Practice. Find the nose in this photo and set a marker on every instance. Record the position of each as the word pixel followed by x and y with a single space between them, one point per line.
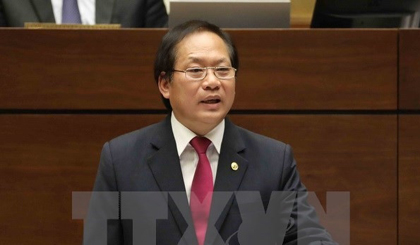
pixel 211 82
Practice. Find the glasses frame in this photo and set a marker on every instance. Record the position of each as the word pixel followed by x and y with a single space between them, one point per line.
pixel 205 72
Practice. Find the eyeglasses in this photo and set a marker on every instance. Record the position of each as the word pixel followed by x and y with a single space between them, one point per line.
pixel 199 73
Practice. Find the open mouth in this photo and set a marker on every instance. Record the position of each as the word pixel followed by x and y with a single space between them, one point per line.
pixel 211 101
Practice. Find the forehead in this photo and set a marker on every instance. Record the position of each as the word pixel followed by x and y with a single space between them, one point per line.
pixel 202 45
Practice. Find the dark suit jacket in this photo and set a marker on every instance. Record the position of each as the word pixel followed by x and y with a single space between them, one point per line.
pixel 128 13
pixel 146 160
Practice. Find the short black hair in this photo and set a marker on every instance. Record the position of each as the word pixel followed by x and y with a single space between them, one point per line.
pixel 166 54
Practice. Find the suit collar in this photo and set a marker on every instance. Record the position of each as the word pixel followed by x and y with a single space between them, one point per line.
pixel 232 139
pixel 184 135
pixel 104 9
pixel 44 10
pixel 166 169
pixel 164 163
pixel 228 179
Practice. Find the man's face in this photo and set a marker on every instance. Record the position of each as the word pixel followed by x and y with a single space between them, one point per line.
pixel 200 104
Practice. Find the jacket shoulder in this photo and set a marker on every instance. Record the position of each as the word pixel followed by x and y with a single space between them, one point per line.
pixel 259 140
pixel 136 139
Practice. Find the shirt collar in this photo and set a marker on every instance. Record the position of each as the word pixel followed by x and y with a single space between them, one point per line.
pixel 183 135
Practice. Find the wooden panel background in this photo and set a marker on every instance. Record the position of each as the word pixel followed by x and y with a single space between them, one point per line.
pixel 409 179
pixel 409 137
pixel 44 159
pixel 409 85
pixel 304 87
pixel 316 70
pixel 78 69
pixel 280 69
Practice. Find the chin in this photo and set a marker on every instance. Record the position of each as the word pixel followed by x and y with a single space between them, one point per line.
pixel 213 117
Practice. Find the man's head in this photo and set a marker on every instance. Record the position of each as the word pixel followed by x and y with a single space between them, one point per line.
pixel 199 104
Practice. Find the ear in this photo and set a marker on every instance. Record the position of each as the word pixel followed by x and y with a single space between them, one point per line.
pixel 164 84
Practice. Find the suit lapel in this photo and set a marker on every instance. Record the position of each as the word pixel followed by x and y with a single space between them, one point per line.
pixel 104 9
pixel 228 179
pixel 44 10
pixel 166 169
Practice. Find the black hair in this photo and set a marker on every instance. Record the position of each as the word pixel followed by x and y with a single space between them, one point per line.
pixel 166 54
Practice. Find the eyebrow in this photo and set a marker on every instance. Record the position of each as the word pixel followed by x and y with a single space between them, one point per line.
pixel 196 59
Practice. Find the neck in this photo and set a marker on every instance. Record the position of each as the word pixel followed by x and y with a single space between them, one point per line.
pixel 201 130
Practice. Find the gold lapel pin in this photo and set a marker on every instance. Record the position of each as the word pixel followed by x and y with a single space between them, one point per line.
pixel 234 166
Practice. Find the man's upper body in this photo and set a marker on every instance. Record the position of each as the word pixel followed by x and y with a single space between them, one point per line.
pixel 147 160
pixel 195 70
pixel 128 13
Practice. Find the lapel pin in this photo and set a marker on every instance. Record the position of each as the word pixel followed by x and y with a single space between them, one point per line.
pixel 234 166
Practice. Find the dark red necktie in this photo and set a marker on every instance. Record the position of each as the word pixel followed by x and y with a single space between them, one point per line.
pixel 201 189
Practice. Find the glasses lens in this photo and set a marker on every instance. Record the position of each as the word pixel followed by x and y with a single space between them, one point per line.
pixel 224 72
pixel 198 73
pixel 195 73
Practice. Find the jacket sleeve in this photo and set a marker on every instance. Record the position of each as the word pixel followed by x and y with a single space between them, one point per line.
pixel 156 15
pixel 3 22
pixel 304 227
pixel 103 224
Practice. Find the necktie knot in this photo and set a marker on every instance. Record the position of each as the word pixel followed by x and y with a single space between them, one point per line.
pixel 200 144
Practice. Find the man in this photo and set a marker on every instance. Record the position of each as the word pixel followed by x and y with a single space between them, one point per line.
pixel 195 70
pixel 128 13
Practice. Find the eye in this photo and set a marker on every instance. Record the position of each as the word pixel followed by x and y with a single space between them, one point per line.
pixel 223 70
pixel 195 70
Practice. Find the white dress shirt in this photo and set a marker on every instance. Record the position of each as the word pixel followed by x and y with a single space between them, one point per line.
pixel 86 9
pixel 188 157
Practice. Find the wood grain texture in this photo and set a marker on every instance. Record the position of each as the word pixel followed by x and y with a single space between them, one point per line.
pixel 409 179
pixel 78 69
pixel 316 69
pixel 409 74
pixel 46 157
pixel 279 69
